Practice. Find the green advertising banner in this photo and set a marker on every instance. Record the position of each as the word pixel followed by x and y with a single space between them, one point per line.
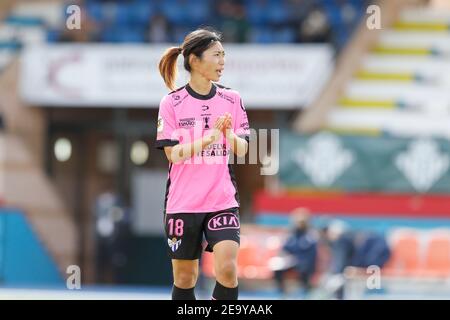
pixel 363 163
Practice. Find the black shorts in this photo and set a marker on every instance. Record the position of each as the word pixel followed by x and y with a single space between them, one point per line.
pixel 185 232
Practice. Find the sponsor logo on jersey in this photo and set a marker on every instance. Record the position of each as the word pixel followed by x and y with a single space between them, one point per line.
pixel 186 123
pixel 178 99
pixel 215 150
pixel 245 126
pixel 205 107
pixel 206 121
pixel 226 97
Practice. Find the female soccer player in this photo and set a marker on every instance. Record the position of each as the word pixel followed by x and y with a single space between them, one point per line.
pixel 199 125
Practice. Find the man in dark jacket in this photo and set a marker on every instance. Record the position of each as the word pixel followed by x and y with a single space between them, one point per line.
pixel 353 248
pixel 301 250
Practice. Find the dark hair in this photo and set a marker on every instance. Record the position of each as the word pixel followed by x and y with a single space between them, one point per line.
pixel 196 43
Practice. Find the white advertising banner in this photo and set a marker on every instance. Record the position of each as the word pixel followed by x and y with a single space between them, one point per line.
pixel 103 75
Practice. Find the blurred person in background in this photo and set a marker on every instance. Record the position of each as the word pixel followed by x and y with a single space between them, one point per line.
pixel 299 252
pixel 159 29
pixel 352 248
pixel 233 20
pixel 314 27
pixel 112 233
pixel 203 122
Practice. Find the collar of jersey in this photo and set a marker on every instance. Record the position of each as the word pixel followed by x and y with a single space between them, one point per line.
pixel 197 95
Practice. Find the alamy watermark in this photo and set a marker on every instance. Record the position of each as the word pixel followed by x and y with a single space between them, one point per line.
pixel 373 22
pixel 73 281
pixel 73 21
pixel 219 152
pixel 373 281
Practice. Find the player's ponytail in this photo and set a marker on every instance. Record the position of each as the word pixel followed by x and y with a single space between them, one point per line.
pixel 195 43
pixel 168 66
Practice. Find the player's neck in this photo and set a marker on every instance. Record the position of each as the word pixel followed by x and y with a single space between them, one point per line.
pixel 200 85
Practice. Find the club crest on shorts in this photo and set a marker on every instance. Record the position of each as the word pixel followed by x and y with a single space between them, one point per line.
pixel 174 244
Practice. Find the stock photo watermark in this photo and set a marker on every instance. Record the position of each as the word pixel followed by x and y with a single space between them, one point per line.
pixel 219 153
pixel 73 281
pixel 73 21
pixel 373 22
pixel 373 281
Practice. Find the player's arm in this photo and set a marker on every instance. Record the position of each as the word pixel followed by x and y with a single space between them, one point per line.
pixel 181 152
pixel 238 145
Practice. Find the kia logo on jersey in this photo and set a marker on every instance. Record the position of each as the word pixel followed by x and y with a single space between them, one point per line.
pixel 223 221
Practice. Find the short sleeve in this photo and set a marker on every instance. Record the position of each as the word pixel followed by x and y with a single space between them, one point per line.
pixel 241 125
pixel 166 128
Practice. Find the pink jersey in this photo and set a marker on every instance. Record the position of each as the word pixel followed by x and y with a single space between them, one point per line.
pixel 205 182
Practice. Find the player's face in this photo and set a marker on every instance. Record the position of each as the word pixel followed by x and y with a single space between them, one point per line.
pixel 212 64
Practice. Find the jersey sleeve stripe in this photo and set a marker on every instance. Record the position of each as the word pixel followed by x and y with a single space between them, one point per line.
pixel 160 144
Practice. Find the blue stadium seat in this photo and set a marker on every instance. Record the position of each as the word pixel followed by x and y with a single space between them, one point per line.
pixel 10 45
pixel 95 11
pixel 257 12
pixel 262 35
pixel 174 11
pixel 277 13
pixel 180 32
pixel 123 14
pixel 130 18
pixel 285 35
pixel 142 12
pixel 123 34
pixel 341 37
pixel 334 15
pixel 198 13
pixel 24 21
pixel 53 35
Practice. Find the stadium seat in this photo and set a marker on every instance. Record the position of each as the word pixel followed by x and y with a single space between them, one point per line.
pixel 277 14
pixel 408 258
pixel 255 252
pixel 251 263
pixel 262 35
pixel 257 13
pixel 180 32
pixel 437 255
pixel 198 14
pixel 123 15
pixel 24 21
pixel 141 13
pixel 175 11
pixel 94 10
pixel 123 35
pixel 405 259
pixel 285 35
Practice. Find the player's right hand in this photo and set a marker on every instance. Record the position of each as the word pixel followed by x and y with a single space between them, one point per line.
pixel 218 128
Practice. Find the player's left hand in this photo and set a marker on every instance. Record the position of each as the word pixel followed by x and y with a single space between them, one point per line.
pixel 227 128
